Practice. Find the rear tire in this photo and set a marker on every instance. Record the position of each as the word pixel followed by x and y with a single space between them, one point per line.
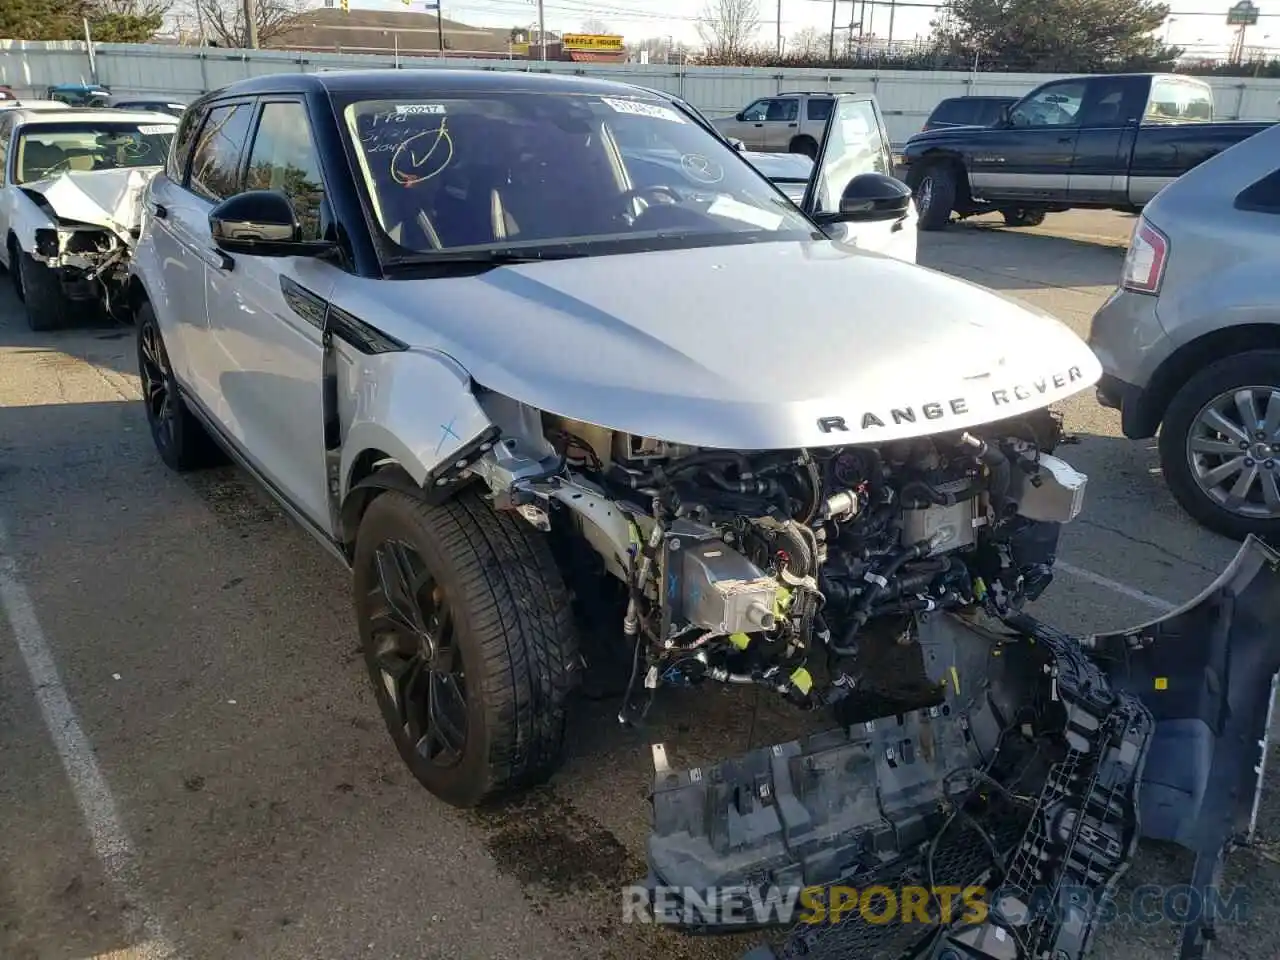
pixel 1185 419
pixel 475 691
pixel 1023 217
pixel 41 291
pixel 181 440
pixel 934 190
pixel 806 146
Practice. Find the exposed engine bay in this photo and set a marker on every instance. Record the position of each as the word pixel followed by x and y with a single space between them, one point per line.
pixel 974 746
pixel 757 568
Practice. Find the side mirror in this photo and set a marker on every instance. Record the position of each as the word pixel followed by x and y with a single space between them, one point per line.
pixel 1006 116
pixel 736 143
pixel 738 116
pixel 261 223
pixel 871 197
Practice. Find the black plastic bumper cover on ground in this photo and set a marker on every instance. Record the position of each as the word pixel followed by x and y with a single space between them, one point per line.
pixel 1164 736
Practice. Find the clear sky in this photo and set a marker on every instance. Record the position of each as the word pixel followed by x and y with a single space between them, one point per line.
pixel 1196 24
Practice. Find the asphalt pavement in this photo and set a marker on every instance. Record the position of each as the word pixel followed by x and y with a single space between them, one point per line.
pixel 192 764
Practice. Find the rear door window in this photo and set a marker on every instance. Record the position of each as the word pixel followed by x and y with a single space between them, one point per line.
pixel 783 110
pixel 215 165
pixel 819 108
pixel 176 166
pixel 1176 99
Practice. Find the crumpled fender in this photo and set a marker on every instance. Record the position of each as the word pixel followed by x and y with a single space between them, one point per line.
pixel 27 217
pixel 417 407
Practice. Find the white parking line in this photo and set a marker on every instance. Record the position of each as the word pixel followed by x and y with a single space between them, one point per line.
pixel 107 834
pixel 1133 593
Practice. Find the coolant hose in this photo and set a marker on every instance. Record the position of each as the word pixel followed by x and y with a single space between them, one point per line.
pixel 880 583
pixel 928 493
pixel 998 465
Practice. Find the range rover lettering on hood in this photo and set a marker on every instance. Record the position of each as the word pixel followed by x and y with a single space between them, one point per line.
pixel 958 406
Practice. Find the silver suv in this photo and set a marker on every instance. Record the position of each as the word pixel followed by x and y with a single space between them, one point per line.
pixel 555 373
pixel 1190 340
pixel 784 123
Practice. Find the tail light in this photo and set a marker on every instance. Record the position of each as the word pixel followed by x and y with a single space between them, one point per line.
pixel 1144 263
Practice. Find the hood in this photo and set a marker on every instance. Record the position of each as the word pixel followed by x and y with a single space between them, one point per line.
pixel 760 346
pixel 780 166
pixel 104 198
pixel 941 135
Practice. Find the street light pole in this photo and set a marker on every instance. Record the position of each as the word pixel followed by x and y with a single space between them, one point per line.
pixel 542 33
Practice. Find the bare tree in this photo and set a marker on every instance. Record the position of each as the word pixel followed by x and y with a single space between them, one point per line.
pixel 727 26
pixel 809 42
pixel 132 8
pixel 222 21
pixel 596 27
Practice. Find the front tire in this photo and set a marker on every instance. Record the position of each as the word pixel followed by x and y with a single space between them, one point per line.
pixel 1220 446
pixel 180 439
pixel 934 190
pixel 469 640
pixel 40 290
pixel 805 146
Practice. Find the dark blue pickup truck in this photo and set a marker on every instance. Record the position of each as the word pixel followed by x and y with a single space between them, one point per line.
pixel 1108 142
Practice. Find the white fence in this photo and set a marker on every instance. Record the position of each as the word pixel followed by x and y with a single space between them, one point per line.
pixel 906 97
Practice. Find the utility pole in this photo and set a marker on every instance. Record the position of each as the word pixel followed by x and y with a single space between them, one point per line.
pixel 542 33
pixel 831 54
pixel 251 24
pixel 779 27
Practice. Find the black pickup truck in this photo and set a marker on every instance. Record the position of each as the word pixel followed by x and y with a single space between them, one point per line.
pixel 1108 142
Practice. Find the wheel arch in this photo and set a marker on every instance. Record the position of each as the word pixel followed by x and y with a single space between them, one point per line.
pixel 373 472
pixel 136 293
pixel 802 138
pixel 1180 365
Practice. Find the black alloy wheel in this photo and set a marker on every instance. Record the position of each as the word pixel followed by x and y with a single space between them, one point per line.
pixel 414 652
pixel 468 637
pixel 157 388
pixel 180 439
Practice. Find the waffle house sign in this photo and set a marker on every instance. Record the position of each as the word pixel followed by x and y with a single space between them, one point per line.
pixel 591 42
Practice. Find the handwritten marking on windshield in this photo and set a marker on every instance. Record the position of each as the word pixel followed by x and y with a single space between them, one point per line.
pixel 430 150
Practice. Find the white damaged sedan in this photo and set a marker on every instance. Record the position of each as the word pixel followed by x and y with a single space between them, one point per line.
pixel 70 204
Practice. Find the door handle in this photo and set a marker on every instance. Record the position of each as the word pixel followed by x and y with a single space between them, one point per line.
pixel 792 124
pixel 161 211
pixel 759 124
pixel 1065 139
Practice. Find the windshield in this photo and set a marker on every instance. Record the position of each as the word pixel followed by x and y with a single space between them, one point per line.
pixel 48 149
pixel 532 172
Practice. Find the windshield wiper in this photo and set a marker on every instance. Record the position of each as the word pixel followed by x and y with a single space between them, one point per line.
pixel 475 258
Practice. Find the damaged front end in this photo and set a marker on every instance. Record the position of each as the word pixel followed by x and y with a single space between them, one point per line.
pixel 1030 769
pixel 83 226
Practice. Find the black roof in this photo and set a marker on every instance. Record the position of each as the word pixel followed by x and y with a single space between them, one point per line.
pixel 389 83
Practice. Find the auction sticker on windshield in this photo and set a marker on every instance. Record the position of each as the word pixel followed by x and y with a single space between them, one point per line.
pixel 431 108
pixel 638 109
pixel 151 130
